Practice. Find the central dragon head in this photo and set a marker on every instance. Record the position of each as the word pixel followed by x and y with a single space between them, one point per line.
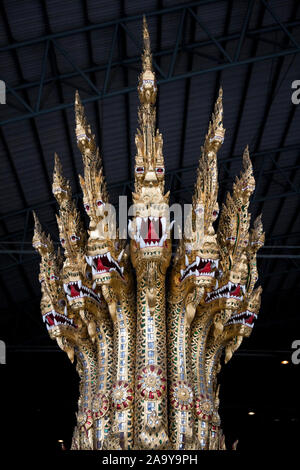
pixel 150 228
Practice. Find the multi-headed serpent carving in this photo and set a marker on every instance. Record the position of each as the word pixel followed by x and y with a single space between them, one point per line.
pixel 148 362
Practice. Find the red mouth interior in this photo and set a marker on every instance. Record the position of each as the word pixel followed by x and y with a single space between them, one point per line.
pixel 251 319
pixel 207 268
pixel 151 230
pixel 104 264
pixel 236 292
pixel 75 292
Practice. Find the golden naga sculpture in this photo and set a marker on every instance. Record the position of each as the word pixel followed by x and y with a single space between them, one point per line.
pixel 148 363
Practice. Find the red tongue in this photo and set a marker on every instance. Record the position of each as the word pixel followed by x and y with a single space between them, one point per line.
pixel 100 266
pixel 74 291
pixel 250 320
pixel 152 235
pixel 50 320
pixel 207 268
pixel 236 291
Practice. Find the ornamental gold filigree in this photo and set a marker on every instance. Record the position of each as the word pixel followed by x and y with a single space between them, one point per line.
pixel 148 361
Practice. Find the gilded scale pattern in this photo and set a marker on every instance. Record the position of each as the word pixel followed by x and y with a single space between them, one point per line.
pixel 148 374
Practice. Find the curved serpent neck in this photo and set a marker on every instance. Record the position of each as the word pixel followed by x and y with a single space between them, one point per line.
pixel 123 392
pixel 87 368
pixel 101 409
pixel 181 399
pixel 199 334
pixel 151 420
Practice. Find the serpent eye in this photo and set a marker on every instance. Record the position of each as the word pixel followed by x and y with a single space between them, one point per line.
pixel 62 241
pixel 159 170
pixel 53 277
pixel 139 170
pixel 199 210
pixel 61 302
pixel 88 274
pixel 87 207
pixel 74 237
pixel 99 203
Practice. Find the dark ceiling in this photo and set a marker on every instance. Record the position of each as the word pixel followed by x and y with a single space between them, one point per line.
pixel 251 48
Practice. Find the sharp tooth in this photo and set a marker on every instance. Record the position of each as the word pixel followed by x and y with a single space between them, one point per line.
pixel 217 284
pixel 197 260
pixel 94 270
pixel 142 243
pixel 145 219
pixel 151 244
pixel 130 227
pixel 89 260
pixel 66 289
pixel 186 260
pixel 138 224
pixel 151 218
pixel 217 263
pixel 181 272
pixel 163 224
pixel 108 256
pixel 197 272
pixel 94 285
pixel 122 270
pixel 65 311
pixel 120 255
pixel 79 284
pixel 156 243
pixel 162 240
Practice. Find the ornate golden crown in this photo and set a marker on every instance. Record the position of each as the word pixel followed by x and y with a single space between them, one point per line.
pixel 148 367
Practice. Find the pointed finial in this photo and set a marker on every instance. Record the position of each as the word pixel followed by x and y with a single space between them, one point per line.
pixel 147 87
pixel 257 235
pixel 146 38
pixel 60 186
pixel 40 241
pixel 86 141
pixel 215 136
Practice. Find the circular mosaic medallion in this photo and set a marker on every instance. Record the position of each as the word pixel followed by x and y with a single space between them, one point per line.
pixel 204 408
pixel 151 383
pixel 122 395
pixel 182 396
pixel 100 405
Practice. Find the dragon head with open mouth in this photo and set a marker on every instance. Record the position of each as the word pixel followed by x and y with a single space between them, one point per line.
pixel 242 320
pixel 233 239
pixel 77 277
pixel 197 258
pixel 201 258
pixel 149 229
pixel 60 325
pixel 241 323
pixel 105 252
pixel 106 255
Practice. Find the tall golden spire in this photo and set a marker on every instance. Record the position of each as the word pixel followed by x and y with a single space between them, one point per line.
pixel 71 230
pixel 93 184
pixel 148 140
